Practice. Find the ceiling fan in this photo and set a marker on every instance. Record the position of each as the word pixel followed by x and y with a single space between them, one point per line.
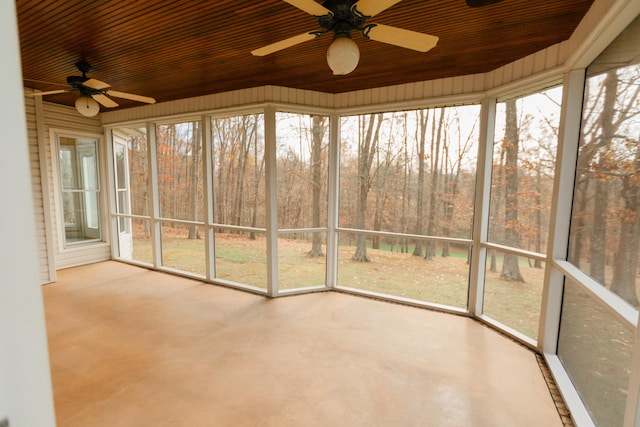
pixel 93 92
pixel 342 17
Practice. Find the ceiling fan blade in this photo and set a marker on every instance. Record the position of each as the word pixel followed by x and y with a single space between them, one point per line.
pixel 480 3
pixel 95 84
pixel 49 92
pixel 283 44
pixel 310 6
pixel 130 96
pixel 374 7
pixel 104 101
pixel 403 38
pixel 45 82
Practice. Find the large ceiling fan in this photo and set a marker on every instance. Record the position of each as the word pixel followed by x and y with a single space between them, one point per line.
pixel 93 92
pixel 342 17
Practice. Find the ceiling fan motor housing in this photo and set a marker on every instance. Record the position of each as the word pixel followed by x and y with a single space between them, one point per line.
pixel 344 18
pixel 77 82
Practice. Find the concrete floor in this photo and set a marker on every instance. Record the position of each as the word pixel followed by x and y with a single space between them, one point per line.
pixel 133 347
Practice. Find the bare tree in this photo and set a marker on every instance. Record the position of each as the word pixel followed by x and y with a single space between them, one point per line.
pixel 195 178
pixel 452 173
pixel 422 117
pixel 318 131
pixel 510 267
pixel 599 230
pixel 258 170
pixel 436 143
pixel 368 133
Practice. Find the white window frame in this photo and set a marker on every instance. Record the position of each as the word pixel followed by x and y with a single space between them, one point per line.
pixel 54 135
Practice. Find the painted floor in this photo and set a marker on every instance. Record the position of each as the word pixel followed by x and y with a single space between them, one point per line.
pixel 134 347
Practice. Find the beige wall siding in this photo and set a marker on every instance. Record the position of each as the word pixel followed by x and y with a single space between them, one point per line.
pixel 44 255
pixel 67 119
pixel 41 118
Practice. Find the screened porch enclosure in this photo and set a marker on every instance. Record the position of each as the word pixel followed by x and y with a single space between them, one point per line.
pixel 384 207
pixel 518 209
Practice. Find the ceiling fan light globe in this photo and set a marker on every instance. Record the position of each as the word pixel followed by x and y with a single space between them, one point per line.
pixel 343 56
pixel 87 106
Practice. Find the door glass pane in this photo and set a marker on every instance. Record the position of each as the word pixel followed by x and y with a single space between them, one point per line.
pixel 91 204
pixel 120 152
pixel 132 164
pixel 123 207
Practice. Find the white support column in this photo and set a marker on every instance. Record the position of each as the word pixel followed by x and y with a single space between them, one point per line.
pixel 332 204
pixel 209 238
pixel 560 218
pixel 154 196
pixel 26 397
pixel 271 199
pixel 481 205
pixel 111 189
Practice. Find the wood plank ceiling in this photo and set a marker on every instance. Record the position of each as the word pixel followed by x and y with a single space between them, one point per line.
pixel 173 49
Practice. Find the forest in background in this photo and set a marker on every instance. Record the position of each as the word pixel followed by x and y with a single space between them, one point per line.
pixel 414 173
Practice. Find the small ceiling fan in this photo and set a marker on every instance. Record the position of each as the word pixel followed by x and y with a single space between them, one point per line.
pixel 93 92
pixel 342 17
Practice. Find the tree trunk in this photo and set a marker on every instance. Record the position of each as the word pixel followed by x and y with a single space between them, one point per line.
pixel 577 232
pixel 421 132
pixel 537 263
pixel 258 168
pixel 450 189
pixel 367 147
pixel 510 267
pixel 493 263
pixel 196 163
pixel 599 231
pixel 377 221
pixel 433 187
pixel 317 137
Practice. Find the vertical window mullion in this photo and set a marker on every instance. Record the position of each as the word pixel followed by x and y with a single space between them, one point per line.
pixel 569 136
pixel 113 195
pixel 154 196
pixel 208 197
pixel 332 204
pixel 481 205
pixel 271 200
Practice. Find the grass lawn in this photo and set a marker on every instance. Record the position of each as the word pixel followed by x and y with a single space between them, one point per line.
pixel 440 280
